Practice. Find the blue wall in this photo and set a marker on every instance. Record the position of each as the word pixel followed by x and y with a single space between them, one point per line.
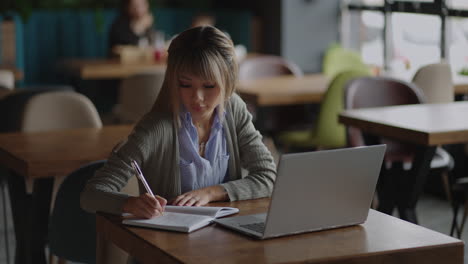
pixel 48 36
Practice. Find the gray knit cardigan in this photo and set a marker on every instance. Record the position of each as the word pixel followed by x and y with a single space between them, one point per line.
pixel 154 145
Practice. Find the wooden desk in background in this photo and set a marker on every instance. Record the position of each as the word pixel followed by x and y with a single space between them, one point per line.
pixel 290 90
pixel 284 90
pixel 284 102
pixel 426 126
pixel 381 239
pixel 460 82
pixel 95 69
pixel 40 157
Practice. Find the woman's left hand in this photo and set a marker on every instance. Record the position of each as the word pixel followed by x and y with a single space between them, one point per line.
pixel 201 197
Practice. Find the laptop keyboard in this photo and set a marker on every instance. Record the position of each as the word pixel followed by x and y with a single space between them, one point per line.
pixel 257 227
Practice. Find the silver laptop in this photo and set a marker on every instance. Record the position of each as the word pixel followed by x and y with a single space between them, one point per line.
pixel 316 191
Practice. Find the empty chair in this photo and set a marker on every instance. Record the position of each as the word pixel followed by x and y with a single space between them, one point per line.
pixel 7 82
pixel 327 132
pixel 14 105
pixel 378 91
pixel 59 110
pixel 267 66
pixel 338 59
pixel 137 95
pixel 457 194
pixel 7 79
pixel 435 80
pixel 263 67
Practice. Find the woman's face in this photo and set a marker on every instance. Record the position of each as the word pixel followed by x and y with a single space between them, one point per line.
pixel 200 97
pixel 138 8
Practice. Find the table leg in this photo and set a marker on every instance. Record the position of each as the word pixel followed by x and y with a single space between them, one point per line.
pixel 40 212
pixel 387 190
pixel 20 204
pixel 412 185
pixel 387 184
pixel 31 217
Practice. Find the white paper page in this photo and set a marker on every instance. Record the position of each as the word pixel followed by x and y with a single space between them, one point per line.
pixel 172 221
pixel 202 210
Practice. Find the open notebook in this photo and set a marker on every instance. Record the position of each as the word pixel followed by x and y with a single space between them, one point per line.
pixel 183 218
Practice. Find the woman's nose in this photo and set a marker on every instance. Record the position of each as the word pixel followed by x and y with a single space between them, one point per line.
pixel 199 94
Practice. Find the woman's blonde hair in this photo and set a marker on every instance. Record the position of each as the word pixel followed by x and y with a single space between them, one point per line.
pixel 202 51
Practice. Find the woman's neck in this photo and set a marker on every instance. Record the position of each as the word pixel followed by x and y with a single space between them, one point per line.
pixel 203 127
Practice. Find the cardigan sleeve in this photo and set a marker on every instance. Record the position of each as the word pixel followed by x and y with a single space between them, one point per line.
pixel 102 191
pixel 254 156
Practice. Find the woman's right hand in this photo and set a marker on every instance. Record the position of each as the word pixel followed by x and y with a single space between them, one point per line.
pixel 145 206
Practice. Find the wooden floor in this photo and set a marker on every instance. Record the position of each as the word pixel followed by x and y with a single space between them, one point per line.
pixel 433 212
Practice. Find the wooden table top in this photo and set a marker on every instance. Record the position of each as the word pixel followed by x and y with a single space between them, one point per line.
pixel 425 124
pixel 57 153
pixel 89 69
pixel 285 90
pixel 381 239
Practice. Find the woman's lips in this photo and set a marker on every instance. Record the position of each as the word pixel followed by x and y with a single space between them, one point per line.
pixel 198 108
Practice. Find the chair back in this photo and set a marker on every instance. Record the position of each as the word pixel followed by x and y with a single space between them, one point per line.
pixel 435 80
pixel 7 79
pixel 12 108
pixel 338 59
pixel 267 66
pixel 329 133
pixel 59 110
pixel 72 231
pixel 137 95
pixel 380 91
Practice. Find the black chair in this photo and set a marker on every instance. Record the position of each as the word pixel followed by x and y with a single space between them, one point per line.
pixel 72 231
pixel 457 195
pixel 456 187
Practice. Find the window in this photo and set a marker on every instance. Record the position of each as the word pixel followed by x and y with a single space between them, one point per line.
pixel 418 32
pixel 372 37
pixel 415 41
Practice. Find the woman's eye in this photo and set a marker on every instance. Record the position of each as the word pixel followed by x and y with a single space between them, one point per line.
pixel 184 85
pixel 209 86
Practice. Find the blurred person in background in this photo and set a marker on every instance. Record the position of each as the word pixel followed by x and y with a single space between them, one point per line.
pixel 133 26
pixel 203 19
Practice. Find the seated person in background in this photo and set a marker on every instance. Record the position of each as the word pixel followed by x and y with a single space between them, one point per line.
pixel 192 145
pixel 133 26
pixel 203 19
pixel 206 19
pixel 199 20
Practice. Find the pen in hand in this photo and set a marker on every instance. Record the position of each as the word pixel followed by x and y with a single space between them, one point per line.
pixel 140 176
